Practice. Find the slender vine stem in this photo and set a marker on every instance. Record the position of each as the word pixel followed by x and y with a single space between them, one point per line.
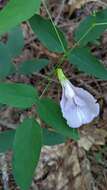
pixel 64 56
pixel 64 50
pixel 56 31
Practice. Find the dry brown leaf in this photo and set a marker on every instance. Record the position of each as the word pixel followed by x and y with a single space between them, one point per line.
pixel 92 136
pixel 62 167
pixel 86 142
pixel 76 4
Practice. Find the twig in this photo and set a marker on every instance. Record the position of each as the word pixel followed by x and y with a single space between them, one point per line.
pixel 8 125
pixel 60 11
pixel 46 77
pixel 4 170
pixel 89 88
pixel 102 3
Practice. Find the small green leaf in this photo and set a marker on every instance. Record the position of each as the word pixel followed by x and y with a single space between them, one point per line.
pixel 86 62
pixel 51 114
pixel 26 151
pixel 15 41
pixel 6 140
pixel 5 61
pixel 46 33
pixel 32 66
pixel 17 95
pixel 91 28
pixel 15 12
pixel 51 138
pixel 99 157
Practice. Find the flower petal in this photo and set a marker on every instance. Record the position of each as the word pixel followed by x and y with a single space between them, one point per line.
pixel 70 113
pixel 90 103
pixel 78 106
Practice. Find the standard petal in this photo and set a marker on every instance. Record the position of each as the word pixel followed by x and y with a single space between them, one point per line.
pixel 70 113
pixel 86 114
pixel 90 103
pixel 75 115
pixel 67 89
pixel 77 105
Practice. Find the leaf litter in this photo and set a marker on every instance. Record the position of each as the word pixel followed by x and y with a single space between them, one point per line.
pixel 68 166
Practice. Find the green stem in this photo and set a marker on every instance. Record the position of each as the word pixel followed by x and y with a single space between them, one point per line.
pixel 56 31
pixel 65 51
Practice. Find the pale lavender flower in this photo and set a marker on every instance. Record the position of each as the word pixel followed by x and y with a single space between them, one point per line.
pixel 78 106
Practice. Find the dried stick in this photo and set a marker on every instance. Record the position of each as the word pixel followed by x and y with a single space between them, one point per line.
pixel 4 170
pixel 60 11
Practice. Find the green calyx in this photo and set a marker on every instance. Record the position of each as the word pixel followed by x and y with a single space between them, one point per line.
pixel 61 75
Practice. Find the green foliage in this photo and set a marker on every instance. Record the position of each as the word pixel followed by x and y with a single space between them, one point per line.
pixel 17 95
pixel 15 41
pixel 8 51
pixel 99 157
pixel 51 114
pixel 15 12
pixel 26 152
pixel 51 138
pixel 28 139
pixel 91 27
pixel 46 33
pixel 5 61
pixel 32 66
pixel 6 140
pixel 85 61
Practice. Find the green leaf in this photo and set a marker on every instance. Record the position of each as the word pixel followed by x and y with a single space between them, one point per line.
pixel 17 95
pixel 15 12
pixel 91 28
pixel 46 33
pixel 26 151
pixel 99 157
pixel 15 41
pixel 51 138
pixel 32 66
pixel 5 61
pixel 51 114
pixel 6 140
pixel 86 62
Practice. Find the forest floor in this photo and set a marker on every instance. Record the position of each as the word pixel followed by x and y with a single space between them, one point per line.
pixel 69 166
